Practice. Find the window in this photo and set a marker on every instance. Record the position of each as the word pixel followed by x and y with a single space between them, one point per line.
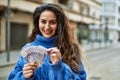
pixel 0 33
pixel 93 15
pixel 18 35
pixel 36 1
pixel 64 2
pixel 0 22
pixel 109 7
pixel 0 28
pixel 83 10
pixel 111 21
pixel 119 10
pixel 119 22
pixel 83 33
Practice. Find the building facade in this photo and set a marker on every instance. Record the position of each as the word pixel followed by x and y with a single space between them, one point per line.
pixel 20 22
pixel 82 14
pixel 111 20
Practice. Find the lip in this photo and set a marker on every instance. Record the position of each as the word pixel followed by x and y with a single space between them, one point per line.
pixel 48 32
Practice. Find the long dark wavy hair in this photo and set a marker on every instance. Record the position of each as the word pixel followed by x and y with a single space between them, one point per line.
pixel 65 42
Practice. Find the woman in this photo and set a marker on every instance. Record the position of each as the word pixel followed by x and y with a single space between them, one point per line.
pixel 51 30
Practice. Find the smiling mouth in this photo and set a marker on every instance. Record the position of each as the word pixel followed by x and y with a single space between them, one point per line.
pixel 48 32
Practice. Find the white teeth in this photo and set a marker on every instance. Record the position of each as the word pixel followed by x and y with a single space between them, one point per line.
pixel 47 32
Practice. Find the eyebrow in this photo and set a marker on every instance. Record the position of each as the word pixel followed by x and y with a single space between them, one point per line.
pixel 50 20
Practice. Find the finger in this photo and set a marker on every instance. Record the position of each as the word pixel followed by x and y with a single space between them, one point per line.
pixel 34 64
pixel 34 67
pixel 28 64
pixel 53 55
pixel 56 53
pixel 51 49
pixel 28 75
pixel 28 71
pixel 28 68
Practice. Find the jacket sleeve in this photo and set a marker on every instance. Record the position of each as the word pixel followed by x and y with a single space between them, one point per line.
pixel 65 72
pixel 69 74
pixel 17 73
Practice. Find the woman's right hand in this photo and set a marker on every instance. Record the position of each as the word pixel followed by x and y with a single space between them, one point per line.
pixel 28 69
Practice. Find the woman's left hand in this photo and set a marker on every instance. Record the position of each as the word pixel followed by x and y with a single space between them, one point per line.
pixel 54 54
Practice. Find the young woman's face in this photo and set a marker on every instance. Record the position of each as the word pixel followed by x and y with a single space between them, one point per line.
pixel 47 23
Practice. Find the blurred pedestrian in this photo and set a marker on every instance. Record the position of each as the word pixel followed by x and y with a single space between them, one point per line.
pixel 52 31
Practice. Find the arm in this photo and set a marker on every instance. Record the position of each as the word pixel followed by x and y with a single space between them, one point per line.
pixel 81 75
pixel 58 70
pixel 62 71
pixel 17 73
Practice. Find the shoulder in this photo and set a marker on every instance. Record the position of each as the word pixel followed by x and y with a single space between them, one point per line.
pixel 27 45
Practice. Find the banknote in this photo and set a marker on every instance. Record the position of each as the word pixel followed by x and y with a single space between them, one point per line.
pixel 34 54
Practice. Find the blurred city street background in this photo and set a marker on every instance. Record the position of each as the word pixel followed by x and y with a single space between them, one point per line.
pixel 94 23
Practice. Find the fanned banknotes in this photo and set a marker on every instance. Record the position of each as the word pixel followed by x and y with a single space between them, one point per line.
pixel 34 54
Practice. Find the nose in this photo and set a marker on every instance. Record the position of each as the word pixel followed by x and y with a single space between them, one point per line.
pixel 47 25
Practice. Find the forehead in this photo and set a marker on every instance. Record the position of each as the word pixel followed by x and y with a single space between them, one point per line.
pixel 48 14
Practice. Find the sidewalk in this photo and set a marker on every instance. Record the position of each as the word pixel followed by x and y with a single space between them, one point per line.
pixel 94 46
pixel 13 58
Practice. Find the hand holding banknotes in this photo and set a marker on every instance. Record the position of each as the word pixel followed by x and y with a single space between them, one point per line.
pixel 28 69
pixel 54 54
pixel 35 56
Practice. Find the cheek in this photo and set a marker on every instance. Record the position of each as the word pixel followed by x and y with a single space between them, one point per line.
pixel 54 30
pixel 40 26
pixel 55 27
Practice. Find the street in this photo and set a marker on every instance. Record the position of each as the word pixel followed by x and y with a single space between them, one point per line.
pixel 103 64
pixel 4 72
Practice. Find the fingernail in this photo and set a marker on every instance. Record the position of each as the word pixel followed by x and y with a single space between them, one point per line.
pixel 52 52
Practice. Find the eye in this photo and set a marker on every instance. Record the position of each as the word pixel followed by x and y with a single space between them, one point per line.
pixel 43 21
pixel 53 22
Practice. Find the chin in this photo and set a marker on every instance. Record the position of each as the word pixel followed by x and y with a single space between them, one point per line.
pixel 47 36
